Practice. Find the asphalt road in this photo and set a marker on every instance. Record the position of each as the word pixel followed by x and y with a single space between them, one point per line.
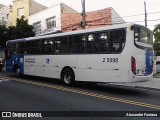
pixel 42 94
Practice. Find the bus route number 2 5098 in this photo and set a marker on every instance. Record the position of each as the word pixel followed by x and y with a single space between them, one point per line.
pixel 110 60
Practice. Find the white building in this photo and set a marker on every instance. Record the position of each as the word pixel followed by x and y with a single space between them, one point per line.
pixel 1 6
pixel 4 15
pixel 49 20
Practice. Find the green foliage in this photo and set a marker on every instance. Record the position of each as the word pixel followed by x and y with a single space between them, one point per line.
pixel 3 34
pixel 156 33
pixel 21 30
pixel 11 32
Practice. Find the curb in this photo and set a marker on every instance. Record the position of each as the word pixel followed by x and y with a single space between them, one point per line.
pixel 148 88
pixel 139 87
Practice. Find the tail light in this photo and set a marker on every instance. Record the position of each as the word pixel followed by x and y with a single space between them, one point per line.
pixel 133 65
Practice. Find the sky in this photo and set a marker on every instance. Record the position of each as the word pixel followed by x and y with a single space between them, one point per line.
pixel 129 10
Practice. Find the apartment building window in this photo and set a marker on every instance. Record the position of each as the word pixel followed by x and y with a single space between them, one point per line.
pixel 37 26
pixel 20 11
pixel 7 16
pixel 51 22
pixel 2 21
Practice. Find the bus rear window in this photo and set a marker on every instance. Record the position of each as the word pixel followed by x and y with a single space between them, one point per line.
pixel 143 37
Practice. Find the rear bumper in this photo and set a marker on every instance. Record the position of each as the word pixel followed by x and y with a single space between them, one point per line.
pixel 134 78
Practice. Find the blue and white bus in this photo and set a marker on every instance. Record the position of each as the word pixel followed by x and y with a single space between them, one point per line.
pixel 117 53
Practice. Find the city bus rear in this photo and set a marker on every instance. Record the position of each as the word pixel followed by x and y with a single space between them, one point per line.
pixel 142 55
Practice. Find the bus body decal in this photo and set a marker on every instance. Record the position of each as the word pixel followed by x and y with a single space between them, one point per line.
pixel 149 62
pixel 19 60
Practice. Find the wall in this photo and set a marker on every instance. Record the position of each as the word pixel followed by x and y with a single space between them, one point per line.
pixel 66 9
pixel 35 7
pixel 116 18
pixel 1 6
pixel 55 10
pixel 29 6
pixel 94 19
pixel 45 14
pixel 3 13
pixel 13 12
pixel 71 21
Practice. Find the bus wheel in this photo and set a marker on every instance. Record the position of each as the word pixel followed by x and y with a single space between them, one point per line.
pixel 17 72
pixel 68 77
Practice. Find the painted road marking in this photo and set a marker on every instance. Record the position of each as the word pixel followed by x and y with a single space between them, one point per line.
pixel 141 104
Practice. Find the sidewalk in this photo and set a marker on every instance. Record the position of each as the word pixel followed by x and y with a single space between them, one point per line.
pixel 157 75
pixel 153 84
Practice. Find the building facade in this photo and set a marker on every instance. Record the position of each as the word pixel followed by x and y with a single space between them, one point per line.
pixel 94 19
pixel 4 15
pixel 25 8
pixel 1 6
pixel 62 18
pixel 49 20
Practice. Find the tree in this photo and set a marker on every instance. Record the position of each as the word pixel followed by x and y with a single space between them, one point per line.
pixel 11 33
pixel 3 34
pixel 21 30
pixel 156 33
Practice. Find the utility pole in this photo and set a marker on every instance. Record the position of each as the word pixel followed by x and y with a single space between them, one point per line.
pixel 145 13
pixel 83 22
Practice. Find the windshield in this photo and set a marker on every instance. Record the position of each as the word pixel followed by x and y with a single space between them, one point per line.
pixel 10 50
pixel 143 36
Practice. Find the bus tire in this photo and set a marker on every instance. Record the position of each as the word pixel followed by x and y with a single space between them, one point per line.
pixel 68 77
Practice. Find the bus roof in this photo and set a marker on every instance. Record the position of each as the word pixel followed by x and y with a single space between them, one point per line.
pixel 72 32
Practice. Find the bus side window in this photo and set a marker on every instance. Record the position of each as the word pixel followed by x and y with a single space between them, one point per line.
pixel 70 45
pixel 92 43
pixel 47 46
pixel 27 47
pixel 44 45
pixel 16 48
pixel 51 49
pixel 10 50
pixel 57 43
pixel 103 42
pixel 117 40
pixel 90 39
pixel 63 44
pixel 76 44
pixel 35 47
pixel 19 48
